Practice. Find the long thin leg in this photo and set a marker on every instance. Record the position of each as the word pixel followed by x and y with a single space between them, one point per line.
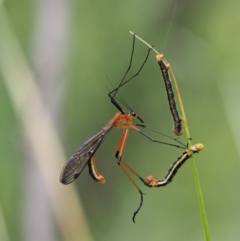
pixel 122 144
pixel 151 129
pixel 118 155
pixel 114 92
pixel 129 67
pixel 94 173
pixel 125 135
pixel 153 140
pixel 136 186
pixel 131 170
pixel 121 84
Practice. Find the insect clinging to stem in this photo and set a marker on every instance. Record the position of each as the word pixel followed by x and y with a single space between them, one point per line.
pixel 125 120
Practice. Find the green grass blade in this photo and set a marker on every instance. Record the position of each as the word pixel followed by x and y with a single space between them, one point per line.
pixel 196 177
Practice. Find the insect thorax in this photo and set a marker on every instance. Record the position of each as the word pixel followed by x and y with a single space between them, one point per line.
pixel 123 120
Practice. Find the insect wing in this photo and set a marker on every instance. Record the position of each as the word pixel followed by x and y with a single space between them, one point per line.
pixel 81 157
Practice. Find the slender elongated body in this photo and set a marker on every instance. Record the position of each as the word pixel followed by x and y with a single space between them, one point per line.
pixel 177 127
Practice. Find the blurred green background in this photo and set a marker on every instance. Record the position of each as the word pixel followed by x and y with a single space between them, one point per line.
pixel 56 60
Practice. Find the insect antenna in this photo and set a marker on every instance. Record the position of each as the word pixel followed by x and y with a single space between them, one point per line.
pixel 121 100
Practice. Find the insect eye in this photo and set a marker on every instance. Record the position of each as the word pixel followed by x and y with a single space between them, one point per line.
pixel 133 113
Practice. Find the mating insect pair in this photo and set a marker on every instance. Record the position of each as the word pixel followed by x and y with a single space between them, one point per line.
pixel 85 154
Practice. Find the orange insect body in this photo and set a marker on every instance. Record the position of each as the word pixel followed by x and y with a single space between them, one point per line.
pixel 123 120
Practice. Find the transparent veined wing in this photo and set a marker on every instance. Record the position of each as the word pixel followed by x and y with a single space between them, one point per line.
pixel 82 156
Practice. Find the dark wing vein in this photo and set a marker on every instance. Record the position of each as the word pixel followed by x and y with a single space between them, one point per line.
pixel 81 157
